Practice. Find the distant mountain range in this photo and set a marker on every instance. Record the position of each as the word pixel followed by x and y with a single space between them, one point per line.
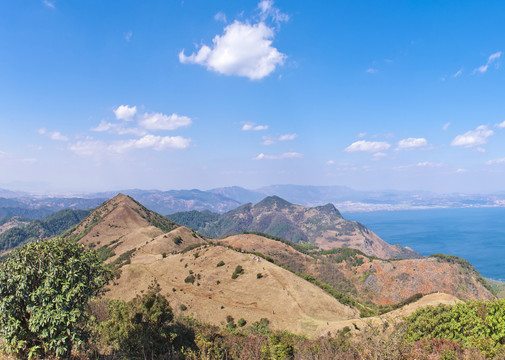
pixel 224 199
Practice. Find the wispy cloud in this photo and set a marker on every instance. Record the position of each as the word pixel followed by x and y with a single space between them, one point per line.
pixel 49 3
pixel 128 35
pixel 473 138
pixel 496 161
pixel 270 140
pixel 412 143
pixel 244 49
pixel 446 126
pixel 53 135
pixel 457 73
pixel 253 127
pixel 159 121
pixel 429 164
pixel 368 146
pixel 220 16
pixel 371 71
pixel 286 155
pixel 492 58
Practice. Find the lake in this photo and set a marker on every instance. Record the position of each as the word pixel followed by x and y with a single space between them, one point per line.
pixel 475 234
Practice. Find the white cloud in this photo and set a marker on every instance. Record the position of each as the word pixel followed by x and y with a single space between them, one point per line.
pixel 330 162
pixel 91 147
pixel 458 73
pixel 411 143
pixel 151 141
pixel 270 140
pixel 371 71
pixel 461 171
pixel 492 58
pixel 287 155
pixel 268 10
pixel 125 112
pixel 128 35
pixel 361 135
pixel 243 50
pixel 368 146
pixel 220 16
pixel 446 126
pixel 501 125
pixel 118 129
pixel 159 121
pixel 429 164
pixel 254 127
pixel 379 155
pixel 54 135
pixel 473 137
pixel 48 3
pixel 495 161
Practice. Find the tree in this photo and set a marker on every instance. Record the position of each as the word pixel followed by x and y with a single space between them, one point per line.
pixel 44 289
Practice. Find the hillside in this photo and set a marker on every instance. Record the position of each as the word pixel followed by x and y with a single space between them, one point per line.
pixel 143 247
pixel 370 280
pixel 323 226
pixel 10 222
pixel 49 226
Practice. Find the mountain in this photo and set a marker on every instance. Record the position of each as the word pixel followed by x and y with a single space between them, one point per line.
pixel 197 273
pixel 168 202
pixel 50 226
pixel 370 280
pixel 243 196
pixel 37 208
pixel 323 226
pixel 297 287
pixel 10 222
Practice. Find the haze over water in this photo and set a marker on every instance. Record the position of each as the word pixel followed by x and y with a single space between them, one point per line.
pixel 475 234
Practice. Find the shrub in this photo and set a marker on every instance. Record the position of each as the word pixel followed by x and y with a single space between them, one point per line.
pixel 259 275
pixel 241 322
pixel 221 263
pixel 190 279
pixel 177 240
pixel 183 307
pixel 44 289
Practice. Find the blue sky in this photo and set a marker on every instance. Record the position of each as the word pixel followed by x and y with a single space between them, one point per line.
pixel 102 95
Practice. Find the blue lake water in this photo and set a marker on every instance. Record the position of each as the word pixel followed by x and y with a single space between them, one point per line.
pixel 475 234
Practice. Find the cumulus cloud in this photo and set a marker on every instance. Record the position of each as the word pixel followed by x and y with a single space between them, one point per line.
pixel 368 146
pixel 411 143
pixel 286 155
pixel 244 49
pixel 92 147
pixel 118 129
pixel 492 58
pixel 270 140
pixel 54 135
pixel 159 121
pixel 473 137
pixel 501 125
pixel 495 161
pixel 157 143
pixel 125 112
pixel 253 127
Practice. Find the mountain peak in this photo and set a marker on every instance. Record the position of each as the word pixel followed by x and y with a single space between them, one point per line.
pixel 329 209
pixel 274 200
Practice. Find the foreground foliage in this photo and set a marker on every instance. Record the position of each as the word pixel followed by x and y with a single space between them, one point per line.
pixel 479 324
pixel 44 289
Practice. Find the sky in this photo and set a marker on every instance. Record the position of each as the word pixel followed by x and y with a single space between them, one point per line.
pixel 104 95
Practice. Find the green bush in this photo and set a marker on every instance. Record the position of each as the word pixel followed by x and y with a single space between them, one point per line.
pixel 44 289
pixel 221 263
pixel 190 279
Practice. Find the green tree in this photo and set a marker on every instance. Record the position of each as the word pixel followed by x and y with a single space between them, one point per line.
pixel 44 289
